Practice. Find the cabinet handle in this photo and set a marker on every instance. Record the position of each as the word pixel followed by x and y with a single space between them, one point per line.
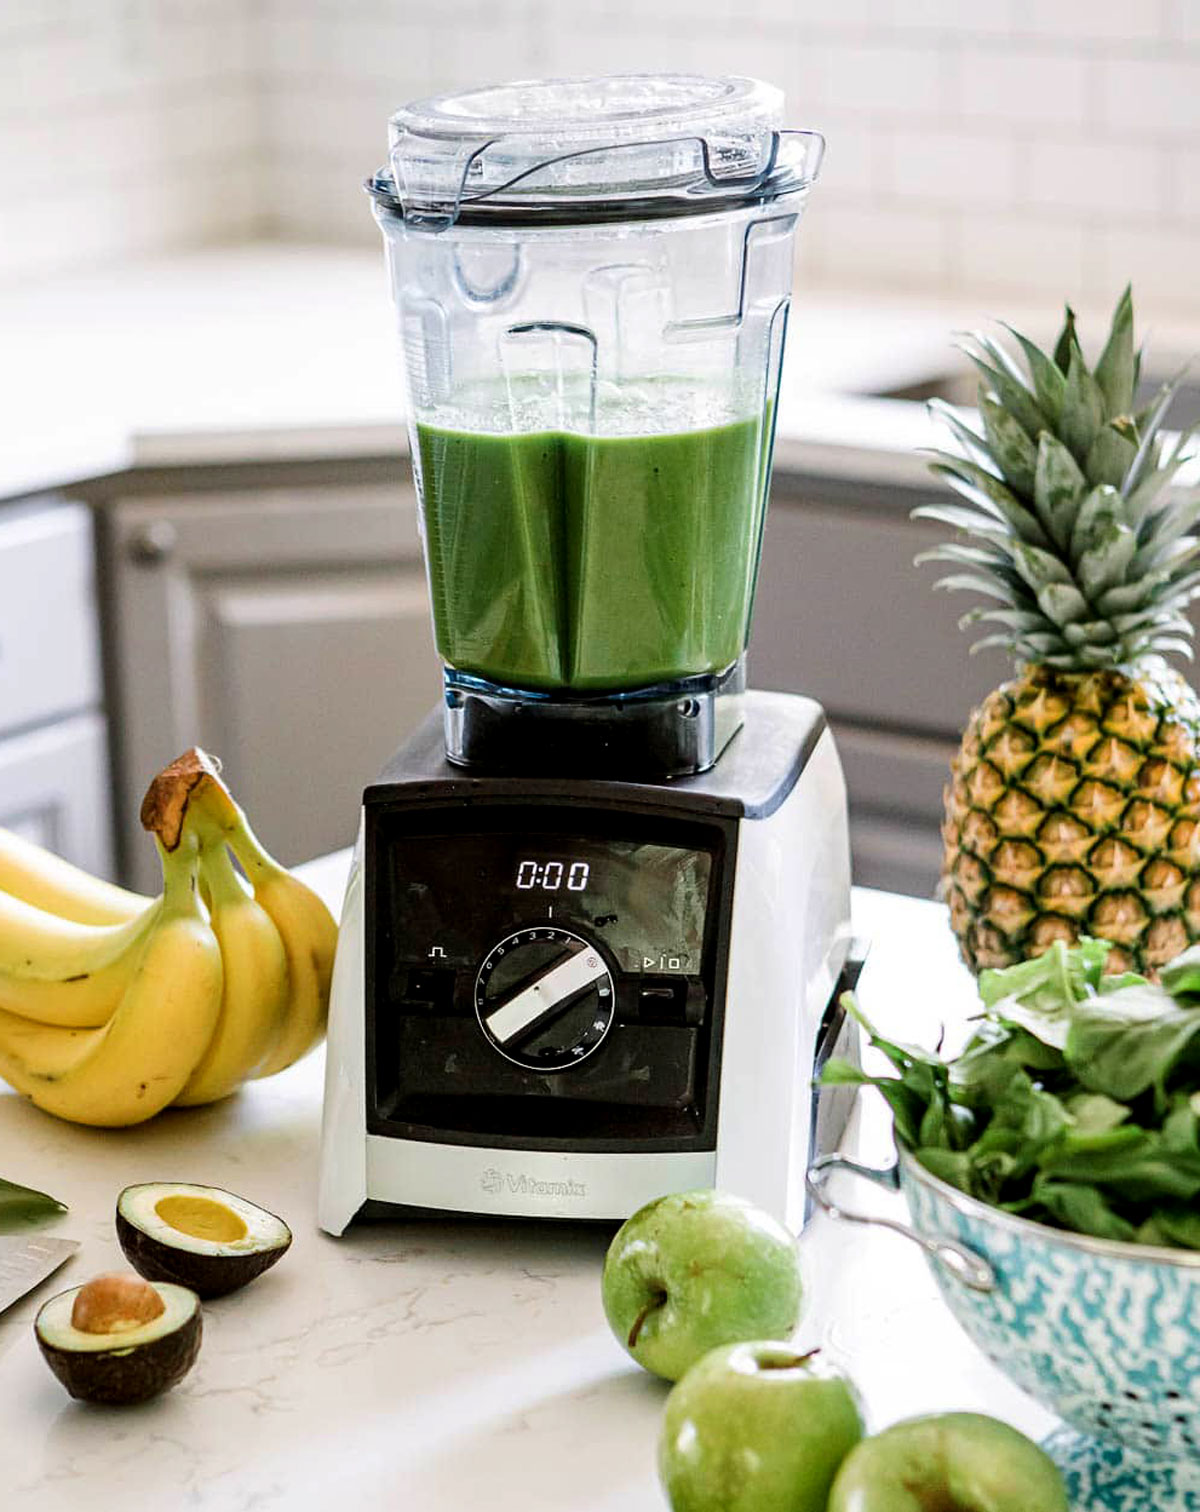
pixel 153 544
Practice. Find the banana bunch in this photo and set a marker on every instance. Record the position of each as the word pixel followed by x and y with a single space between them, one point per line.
pixel 114 1006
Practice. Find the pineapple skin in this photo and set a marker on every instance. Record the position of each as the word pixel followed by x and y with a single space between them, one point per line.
pixel 1073 807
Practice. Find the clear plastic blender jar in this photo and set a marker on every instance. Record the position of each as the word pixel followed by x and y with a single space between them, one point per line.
pixel 592 278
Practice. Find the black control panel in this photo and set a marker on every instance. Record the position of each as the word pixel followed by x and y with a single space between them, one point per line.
pixel 545 976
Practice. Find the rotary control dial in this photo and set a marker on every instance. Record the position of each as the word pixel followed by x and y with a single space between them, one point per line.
pixel 544 998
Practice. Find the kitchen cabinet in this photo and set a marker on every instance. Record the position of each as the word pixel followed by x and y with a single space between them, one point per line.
pixel 285 628
pixel 844 616
pixel 54 767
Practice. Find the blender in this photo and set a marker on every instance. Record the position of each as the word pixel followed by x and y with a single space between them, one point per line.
pixel 600 900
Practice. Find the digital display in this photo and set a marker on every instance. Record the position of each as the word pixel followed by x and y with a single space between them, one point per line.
pixel 453 895
pixel 551 875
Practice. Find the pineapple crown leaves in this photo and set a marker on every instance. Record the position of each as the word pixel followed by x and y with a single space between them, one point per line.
pixel 1064 518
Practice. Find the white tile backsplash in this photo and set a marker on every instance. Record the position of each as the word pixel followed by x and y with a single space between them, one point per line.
pixel 1040 147
pixel 1115 179
pixel 1151 96
pixel 1091 22
pixel 1022 252
pixel 1021 86
pixel 966 169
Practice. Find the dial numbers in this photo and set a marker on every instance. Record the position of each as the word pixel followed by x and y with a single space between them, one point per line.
pixel 544 998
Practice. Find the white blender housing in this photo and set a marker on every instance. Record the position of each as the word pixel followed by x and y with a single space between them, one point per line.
pixel 713 1088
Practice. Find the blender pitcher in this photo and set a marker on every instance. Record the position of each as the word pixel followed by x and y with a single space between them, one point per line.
pixel 592 279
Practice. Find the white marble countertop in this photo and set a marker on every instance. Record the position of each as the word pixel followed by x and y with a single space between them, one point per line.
pixel 426 1365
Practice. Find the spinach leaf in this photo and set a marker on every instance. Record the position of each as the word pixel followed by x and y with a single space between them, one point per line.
pixel 1076 1102
pixel 951 1166
pixel 1126 1042
pixel 21 1206
pixel 1139 1164
pixel 1048 984
pixel 1038 995
pixel 1181 977
pixel 982 1075
pixel 1077 1207
pixel 1119 980
pixel 908 1105
pixel 923 1081
pixel 1171 1225
pixel 1093 1113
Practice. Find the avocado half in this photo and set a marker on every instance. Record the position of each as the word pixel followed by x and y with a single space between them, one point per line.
pixel 126 1365
pixel 199 1236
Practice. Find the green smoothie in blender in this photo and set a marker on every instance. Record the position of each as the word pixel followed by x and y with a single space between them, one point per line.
pixel 562 559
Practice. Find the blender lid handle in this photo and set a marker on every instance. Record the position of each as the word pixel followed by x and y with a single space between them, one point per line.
pixel 430 186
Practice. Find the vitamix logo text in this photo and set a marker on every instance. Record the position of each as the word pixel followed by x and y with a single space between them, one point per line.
pixel 493 1182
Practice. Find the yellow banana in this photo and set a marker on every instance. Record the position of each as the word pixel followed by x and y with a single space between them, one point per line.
pixel 309 938
pixel 190 792
pixel 142 1058
pixel 84 998
pixel 43 947
pixel 255 991
pixel 37 876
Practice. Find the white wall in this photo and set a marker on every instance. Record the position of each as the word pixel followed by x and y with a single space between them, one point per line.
pixel 1042 147
pixel 126 126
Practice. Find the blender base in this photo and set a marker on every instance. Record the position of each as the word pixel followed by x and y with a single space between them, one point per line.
pixel 673 730
pixel 1103 1475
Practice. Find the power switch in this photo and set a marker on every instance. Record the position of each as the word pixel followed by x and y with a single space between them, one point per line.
pixel 677 1000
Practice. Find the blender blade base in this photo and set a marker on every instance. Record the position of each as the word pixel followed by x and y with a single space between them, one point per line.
pixel 1103 1475
pixel 674 730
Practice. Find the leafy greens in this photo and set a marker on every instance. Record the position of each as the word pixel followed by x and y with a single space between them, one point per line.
pixel 1076 1102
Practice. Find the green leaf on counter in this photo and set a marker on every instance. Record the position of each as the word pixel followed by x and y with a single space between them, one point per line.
pixel 21 1206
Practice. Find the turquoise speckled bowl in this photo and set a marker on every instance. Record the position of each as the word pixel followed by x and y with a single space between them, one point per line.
pixel 1104 1334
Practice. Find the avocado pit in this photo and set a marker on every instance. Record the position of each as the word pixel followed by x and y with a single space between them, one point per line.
pixel 115 1303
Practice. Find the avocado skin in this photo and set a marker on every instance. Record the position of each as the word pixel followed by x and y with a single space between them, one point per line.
pixel 207 1275
pixel 120 1378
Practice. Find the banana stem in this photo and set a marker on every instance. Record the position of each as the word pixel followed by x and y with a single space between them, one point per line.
pixel 216 869
pixel 189 796
pixel 179 875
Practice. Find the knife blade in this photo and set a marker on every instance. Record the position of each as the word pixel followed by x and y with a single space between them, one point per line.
pixel 25 1263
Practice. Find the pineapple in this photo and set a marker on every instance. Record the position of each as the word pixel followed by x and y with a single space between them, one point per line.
pixel 1073 804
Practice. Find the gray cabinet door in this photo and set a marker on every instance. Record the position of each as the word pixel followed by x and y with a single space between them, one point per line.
pixel 54 790
pixel 844 616
pixel 284 630
pixel 49 642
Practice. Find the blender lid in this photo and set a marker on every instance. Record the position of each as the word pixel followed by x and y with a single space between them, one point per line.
pixel 582 149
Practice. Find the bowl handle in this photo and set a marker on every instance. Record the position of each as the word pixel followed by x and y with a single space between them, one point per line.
pixel 963 1264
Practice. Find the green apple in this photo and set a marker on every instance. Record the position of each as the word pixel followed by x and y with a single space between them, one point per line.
pixel 695 1270
pixel 954 1462
pixel 756 1427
